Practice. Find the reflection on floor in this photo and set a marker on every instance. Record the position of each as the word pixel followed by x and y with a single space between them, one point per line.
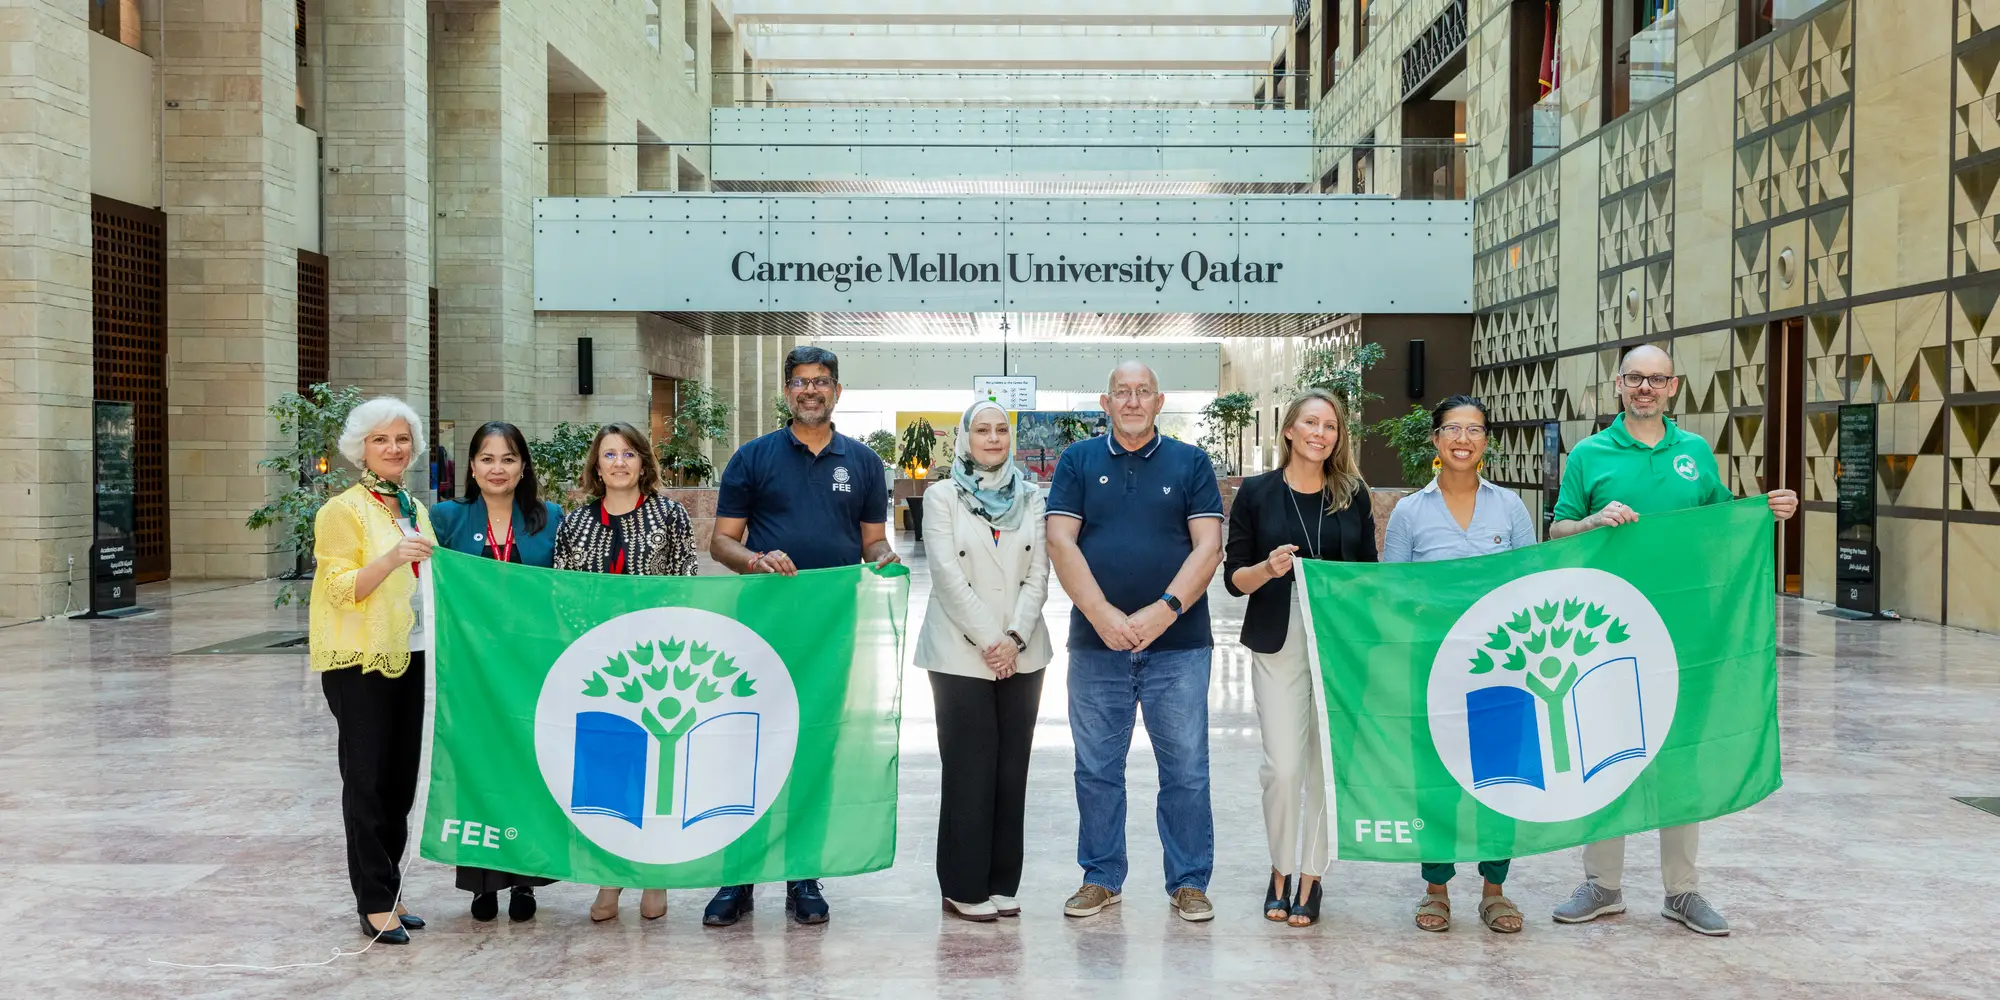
pixel 186 808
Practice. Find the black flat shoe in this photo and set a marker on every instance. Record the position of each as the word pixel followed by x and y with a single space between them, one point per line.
pixel 410 921
pixel 731 902
pixel 394 935
pixel 1282 905
pixel 804 901
pixel 520 904
pixel 485 906
pixel 1308 906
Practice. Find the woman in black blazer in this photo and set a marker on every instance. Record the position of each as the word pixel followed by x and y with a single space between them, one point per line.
pixel 1313 506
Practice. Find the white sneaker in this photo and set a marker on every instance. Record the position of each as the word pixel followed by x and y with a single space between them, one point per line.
pixel 1006 906
pixel 980 912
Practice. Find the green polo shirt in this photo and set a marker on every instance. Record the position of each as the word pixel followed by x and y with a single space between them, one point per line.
pixel 1676 474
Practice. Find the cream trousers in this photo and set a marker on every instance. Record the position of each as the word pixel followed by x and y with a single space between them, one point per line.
pixel 1604 861
pixel 1293 777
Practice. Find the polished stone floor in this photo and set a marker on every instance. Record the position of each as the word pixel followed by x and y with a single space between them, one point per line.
pixel 184 808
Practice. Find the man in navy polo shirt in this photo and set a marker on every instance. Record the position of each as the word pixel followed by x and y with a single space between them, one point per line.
pixel 1135 533
pixel 801 497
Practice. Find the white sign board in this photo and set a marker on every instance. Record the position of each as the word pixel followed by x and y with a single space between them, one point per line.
pixel 857 254
pixel 1015 392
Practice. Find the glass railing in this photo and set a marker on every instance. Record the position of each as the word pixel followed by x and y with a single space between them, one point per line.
pixel 917 88
pixel 985 163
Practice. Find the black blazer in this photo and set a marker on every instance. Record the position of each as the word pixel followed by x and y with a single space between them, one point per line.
pixel 1261 519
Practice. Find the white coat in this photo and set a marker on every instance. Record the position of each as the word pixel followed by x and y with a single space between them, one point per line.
pixel 981 589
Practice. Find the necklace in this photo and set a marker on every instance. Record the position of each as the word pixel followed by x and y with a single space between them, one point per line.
pixel 1313 541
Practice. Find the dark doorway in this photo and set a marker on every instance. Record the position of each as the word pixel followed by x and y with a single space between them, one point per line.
pixel 1785 440
pixel 129 327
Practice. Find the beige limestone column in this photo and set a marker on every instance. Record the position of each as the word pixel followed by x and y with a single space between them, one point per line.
pixel 378 199
pixel 45 302
pixel 232 272
pixel 487 77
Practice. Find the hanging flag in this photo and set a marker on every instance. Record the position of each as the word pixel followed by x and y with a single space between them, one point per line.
pixel 1620 681
pixel 665 732
pixel 1549 69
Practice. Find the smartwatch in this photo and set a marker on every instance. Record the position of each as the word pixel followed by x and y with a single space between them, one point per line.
pixel 1172 602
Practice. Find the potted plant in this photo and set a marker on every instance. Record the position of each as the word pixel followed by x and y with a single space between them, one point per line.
pixel 312 421
pixel 1223 422
pixel 559 460
pixel 915 459
pixel 1410 435
pixel 700 417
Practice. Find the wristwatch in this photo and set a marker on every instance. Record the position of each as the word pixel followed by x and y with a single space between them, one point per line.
pixel 1172 602
pixel 1020 644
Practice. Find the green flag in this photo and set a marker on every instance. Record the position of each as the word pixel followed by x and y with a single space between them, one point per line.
pixel 1619 681
pixel 665 732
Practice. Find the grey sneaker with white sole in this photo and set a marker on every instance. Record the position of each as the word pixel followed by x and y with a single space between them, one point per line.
pixel 1589 902
pixel 1691 910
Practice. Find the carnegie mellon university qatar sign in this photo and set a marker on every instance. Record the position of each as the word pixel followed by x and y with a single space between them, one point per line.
pixel 1196 268
pixel 828 253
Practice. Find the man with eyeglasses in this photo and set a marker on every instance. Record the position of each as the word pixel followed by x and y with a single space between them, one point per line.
pixel 1644 464
pixel 1135 533
pixel 804 496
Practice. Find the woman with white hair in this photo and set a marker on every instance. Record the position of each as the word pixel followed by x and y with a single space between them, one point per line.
pixel 369 543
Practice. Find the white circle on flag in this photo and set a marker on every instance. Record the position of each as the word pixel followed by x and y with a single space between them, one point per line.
pixel 665 734
pixel 1553 693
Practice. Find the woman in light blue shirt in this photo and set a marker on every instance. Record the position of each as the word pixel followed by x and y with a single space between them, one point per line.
pixel 1460 515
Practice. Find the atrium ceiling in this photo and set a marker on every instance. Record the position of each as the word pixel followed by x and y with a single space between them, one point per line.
pixel 1012 52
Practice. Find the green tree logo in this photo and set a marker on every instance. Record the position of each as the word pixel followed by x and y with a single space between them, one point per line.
pixel 700 686
pixel 1543 631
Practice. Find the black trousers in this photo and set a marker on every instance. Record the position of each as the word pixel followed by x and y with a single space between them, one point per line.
pixel 985 732
pixel 381 722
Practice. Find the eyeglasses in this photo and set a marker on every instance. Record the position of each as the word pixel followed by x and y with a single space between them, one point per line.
pixel 621 456
pixel 1129 395
pixel 1631 381
pixel 822 382
pixel 1468 432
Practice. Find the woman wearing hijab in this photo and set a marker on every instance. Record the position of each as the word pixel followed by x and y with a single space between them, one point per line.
pixel 500 516
pixel 985 645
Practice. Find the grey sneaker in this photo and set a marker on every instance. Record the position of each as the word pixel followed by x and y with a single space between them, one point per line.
pixel 1691 909
pixel 1589 902
pixel 1089 901
pixel 1192 904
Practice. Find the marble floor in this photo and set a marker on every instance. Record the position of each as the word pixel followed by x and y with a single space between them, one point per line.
pixel 162 805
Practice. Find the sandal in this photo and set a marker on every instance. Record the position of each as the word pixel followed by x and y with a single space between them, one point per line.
pixel 1437 907
pixel 1493 909
pixel 1274 903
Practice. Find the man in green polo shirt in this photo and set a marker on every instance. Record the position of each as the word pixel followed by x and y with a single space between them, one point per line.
pixel 1644 464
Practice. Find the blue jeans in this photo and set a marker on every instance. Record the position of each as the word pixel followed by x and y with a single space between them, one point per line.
pixel 1105 687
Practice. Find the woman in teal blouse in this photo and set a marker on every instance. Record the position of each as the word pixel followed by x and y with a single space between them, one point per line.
pixel 499 516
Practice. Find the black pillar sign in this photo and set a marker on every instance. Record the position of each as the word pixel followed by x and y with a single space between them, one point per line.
pixel 1855 557
pixel 114 591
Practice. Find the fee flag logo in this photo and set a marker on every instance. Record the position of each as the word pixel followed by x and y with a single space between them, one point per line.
pixel 1551 696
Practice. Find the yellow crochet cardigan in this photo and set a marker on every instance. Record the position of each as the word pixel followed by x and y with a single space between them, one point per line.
pixel 374 633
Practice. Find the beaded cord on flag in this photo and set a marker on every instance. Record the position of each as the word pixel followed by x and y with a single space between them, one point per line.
pixel 402 874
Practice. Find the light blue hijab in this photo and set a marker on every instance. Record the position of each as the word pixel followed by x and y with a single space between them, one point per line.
pixel 1000 495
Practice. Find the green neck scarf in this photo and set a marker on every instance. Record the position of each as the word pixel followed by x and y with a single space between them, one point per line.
pixel 383 487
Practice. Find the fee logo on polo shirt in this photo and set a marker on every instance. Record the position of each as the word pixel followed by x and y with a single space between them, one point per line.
pixel 841 479
pixel 1684 464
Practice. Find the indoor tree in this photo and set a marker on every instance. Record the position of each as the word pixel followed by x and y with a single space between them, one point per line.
pixel 1224 420
pixel 312 421
pixel 700 417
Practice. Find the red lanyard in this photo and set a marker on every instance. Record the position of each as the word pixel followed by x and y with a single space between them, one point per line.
pixel 415 570
pixel 501 551
pixel 617 558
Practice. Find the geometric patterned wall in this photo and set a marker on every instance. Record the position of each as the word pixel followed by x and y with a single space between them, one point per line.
pixel 1514 273
pixel 129 322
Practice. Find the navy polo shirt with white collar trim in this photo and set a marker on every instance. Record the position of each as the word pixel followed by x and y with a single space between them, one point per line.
pixel 1136 507
pixel 811 506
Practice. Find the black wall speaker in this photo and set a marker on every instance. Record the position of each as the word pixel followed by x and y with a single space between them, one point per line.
pixel 586 380
pixel 1416 369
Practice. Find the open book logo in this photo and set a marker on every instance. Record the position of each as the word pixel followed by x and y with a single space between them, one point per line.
pixel 1553 693
pixel 666 733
